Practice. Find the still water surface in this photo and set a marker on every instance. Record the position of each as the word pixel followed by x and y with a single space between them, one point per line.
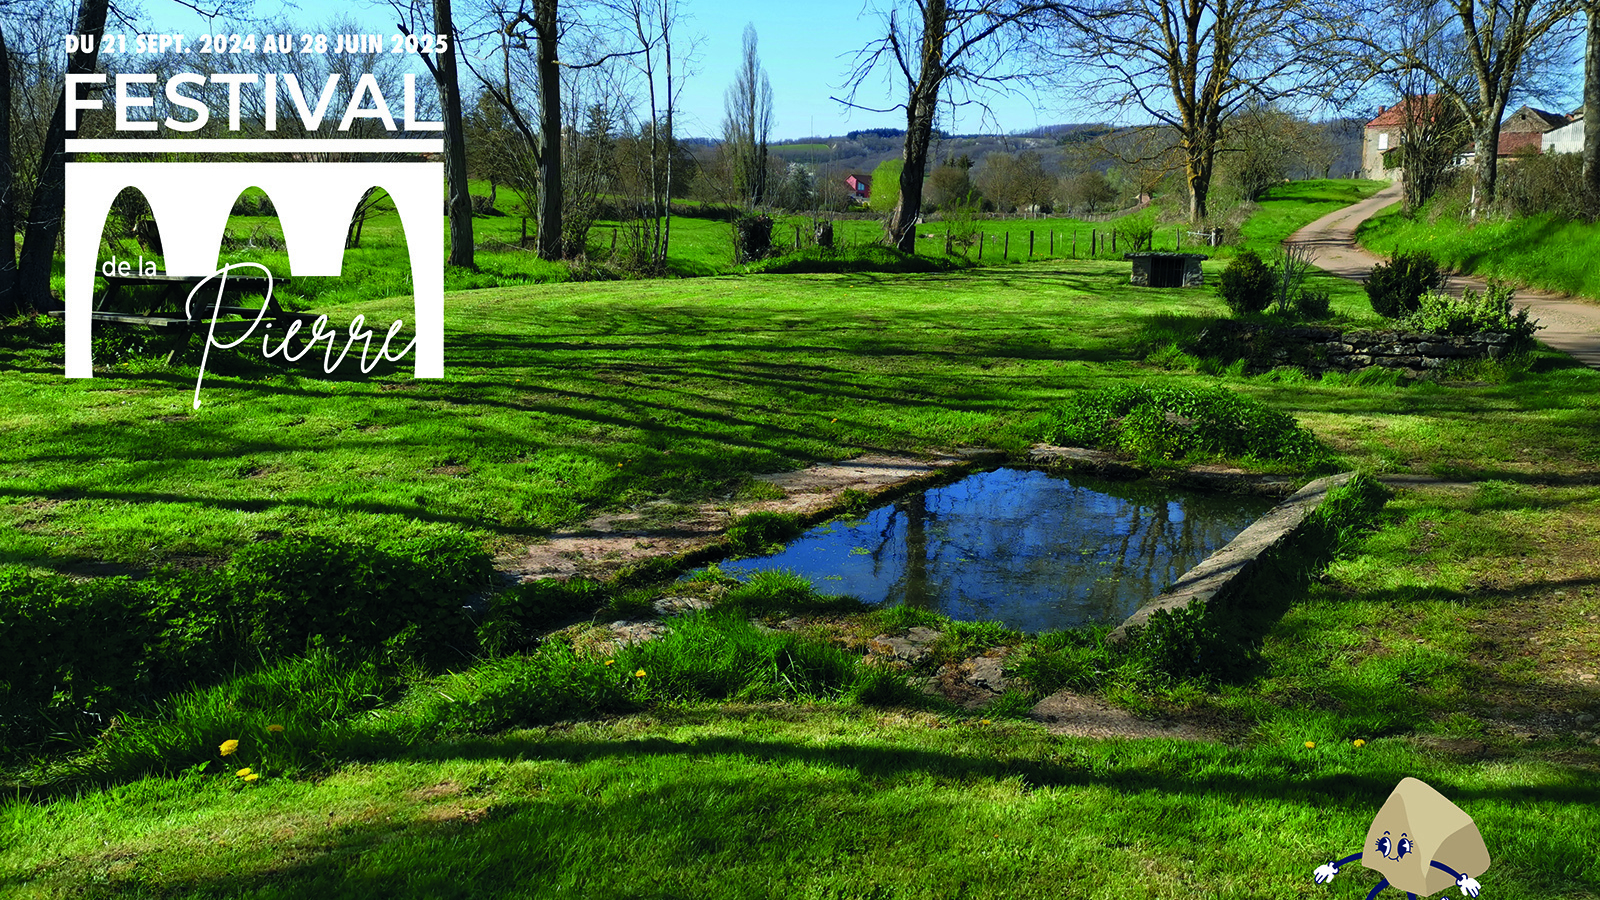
pixel 1038 552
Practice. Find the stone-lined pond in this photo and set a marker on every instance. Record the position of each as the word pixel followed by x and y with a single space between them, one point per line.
pixel 1036 551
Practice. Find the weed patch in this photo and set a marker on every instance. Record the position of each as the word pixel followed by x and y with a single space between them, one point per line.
pixel 1171 424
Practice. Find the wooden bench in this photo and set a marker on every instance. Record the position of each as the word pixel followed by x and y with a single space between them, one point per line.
pixel 164 311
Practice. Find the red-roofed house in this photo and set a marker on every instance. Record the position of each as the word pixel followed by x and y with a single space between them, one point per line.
pixel 1383 134
pixel 1521 133
pixel 860 187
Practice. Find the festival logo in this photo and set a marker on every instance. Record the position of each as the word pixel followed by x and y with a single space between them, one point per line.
pixel 191 200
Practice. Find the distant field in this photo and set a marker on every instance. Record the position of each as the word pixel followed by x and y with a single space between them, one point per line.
pixel 701 246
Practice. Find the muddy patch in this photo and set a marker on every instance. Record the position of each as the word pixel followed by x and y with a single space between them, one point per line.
pixel 1077 715
pixel 606 544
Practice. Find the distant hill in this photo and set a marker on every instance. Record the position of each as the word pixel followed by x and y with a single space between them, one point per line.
pixel 860 152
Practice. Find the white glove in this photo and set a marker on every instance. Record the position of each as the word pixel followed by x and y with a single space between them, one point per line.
pixel 1325 873
pixel 1469 886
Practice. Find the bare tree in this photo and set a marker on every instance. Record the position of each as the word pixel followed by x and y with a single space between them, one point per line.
pixel 31 285
pixel 1503 43
pixel 1591 97
pixel 650 25
pixel 971 43
pixel 533 25
pixel 445 78
pixel 1193 64
pixel 8 221
pixel 748 124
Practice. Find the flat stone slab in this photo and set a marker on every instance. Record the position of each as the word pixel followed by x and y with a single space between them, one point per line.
pixel 1217 571
pixel 606 544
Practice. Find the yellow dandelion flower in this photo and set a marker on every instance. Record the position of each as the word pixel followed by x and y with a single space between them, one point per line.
pixel 228 747
pixel 243 772
pixel 1311 745
pixel 639 674
pixel 984 722
pixel 275 729
pixel 1359 742
pixel 252 777
pixel 610 661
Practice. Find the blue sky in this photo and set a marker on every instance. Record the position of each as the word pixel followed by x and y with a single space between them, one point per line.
pixel 806 47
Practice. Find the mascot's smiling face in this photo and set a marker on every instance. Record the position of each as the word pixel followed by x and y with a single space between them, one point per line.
pixel 1416 826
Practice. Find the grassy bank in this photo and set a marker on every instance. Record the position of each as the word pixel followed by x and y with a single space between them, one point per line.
pixel 566 400
pixel 1540 251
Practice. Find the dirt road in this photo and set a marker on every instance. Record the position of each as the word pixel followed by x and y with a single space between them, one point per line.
pixel 1571 325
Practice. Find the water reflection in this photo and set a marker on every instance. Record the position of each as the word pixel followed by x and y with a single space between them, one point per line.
pixel 1035 551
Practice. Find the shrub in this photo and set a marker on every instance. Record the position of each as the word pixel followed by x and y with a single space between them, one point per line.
pixel 519 615
pixel 752 238
pixel 1246 285
pixel 1550 183
pixel 1472 313
pixel 307 592
pixel 1313 303
pixel 1396 287
pixel 1175 423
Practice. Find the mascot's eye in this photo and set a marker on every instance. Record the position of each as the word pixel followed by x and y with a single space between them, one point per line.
pixel 1383 845
pixel 1405 846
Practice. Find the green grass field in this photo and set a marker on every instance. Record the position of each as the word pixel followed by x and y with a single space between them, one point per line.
pixel 1536 251
pixel 702 245
pixel 1457 640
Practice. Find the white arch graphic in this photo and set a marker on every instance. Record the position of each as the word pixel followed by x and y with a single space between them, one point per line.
pixel 314 201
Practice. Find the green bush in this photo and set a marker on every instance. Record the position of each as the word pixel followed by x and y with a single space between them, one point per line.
pixel 70 646
pixel 1472 313
pixel 517 617
pixel 1395 288
pixel 308 592
pixel 1313 303
pixel 1175 423
pixel 1246 285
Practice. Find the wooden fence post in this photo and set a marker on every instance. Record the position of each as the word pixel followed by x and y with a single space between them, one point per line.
pixel 1094 238
pixel 1005 252
pixel 1052 242
pixel 980 246
pixel 1030 243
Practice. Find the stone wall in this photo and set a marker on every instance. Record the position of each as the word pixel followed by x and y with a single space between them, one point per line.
pixel 1229 572
pixel 1322 348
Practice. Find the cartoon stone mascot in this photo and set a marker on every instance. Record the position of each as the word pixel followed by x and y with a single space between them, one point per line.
pixel 1421 844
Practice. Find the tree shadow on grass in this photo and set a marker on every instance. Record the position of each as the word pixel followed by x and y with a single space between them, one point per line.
pixel 690 828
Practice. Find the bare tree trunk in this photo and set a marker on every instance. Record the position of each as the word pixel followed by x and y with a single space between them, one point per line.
pixel 920 109
pixel 455 147
pixel 1486 159
pixel 9 305
pixel 549 147
pixel 666 223
pixel 1198 168
pixel 50 196
pixel 1591 101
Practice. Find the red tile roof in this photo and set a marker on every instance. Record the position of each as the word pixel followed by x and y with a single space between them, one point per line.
pixel 1399 113
pixel 1516 141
